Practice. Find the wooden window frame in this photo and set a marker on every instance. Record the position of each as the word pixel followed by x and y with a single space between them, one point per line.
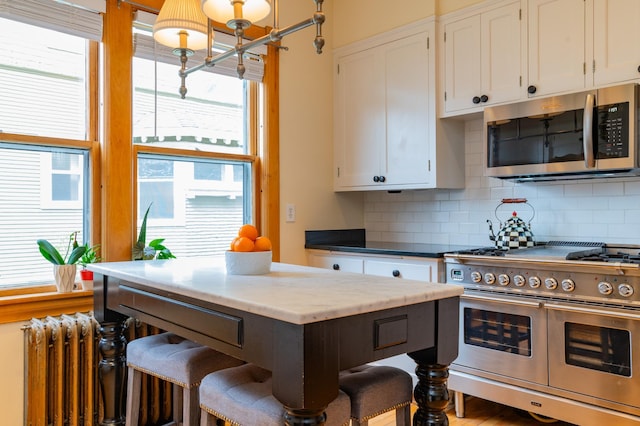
pixel 112 180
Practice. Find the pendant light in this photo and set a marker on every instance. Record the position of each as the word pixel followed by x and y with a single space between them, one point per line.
pixel 186 25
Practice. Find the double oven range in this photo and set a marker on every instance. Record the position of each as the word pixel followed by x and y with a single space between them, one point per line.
pixel 553 330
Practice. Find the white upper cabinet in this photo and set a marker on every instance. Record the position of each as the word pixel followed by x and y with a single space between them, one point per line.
pixel 483 61
pixel 385 123
pixel 582 44
pixel 556 46
pixel 616 36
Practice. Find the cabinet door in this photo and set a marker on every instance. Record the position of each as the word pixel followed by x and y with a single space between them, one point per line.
pixel 462 63
pixel 337 263
pixel 421 271
pixel 556 45
pixel 407 115
pixel 501 57
pixel 615 41
pixel 359 118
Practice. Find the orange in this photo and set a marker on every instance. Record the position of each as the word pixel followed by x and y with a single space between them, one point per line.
pixel 248 231
pixel 242 244
pixel 262 244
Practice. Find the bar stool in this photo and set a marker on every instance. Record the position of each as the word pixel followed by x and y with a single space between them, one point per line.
pixel 374 390
pixel 243 396
pixel 179 361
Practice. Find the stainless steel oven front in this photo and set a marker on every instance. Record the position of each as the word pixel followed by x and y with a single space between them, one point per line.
pixel 593 353
pixel 568 360
pixel 504 336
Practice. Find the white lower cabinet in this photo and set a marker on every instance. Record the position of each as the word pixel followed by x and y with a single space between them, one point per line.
pixel 336 262
pixel 412 268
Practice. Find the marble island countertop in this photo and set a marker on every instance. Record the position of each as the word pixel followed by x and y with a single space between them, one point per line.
pixel 292 293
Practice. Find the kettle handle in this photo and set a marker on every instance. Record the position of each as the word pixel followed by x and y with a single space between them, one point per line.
pixel 515 201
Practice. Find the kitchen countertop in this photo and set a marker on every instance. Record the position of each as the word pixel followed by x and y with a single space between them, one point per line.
pixel 296 294
pixel 353 241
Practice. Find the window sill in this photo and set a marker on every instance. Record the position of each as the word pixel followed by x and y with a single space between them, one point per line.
pixel 22 307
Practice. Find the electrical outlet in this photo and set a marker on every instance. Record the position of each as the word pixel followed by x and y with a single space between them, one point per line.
pixel 291 213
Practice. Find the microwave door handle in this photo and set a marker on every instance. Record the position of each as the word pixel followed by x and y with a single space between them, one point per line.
pixel 587 132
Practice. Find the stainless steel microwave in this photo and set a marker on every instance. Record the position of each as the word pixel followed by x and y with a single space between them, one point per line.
pixel 582 135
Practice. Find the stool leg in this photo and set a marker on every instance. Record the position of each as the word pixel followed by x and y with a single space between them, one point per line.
pixel 134 385
pixel 178 411
pixel 190 406
pixel 207 419
pixel 403 416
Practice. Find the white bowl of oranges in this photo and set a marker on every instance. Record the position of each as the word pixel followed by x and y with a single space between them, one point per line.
pixel 249 254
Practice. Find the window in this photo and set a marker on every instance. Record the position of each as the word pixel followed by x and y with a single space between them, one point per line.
pixel 44 134
pixel 194 163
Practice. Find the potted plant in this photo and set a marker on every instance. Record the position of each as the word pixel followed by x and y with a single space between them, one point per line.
pixel 155 249
pixel 90 256
pixel 64 267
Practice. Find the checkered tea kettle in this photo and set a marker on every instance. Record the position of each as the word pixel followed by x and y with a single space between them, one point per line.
pixel 515 233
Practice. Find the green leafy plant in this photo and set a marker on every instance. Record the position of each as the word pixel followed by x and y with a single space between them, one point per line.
pixel 71 256
pixel 155 249
pixel 90 255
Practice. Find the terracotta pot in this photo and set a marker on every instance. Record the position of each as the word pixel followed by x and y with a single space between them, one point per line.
pixel 65 276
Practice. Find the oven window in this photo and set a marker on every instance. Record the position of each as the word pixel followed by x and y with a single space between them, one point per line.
pixel 598 348
pixel 498 331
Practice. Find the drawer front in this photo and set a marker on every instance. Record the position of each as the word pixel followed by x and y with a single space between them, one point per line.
pixel 411 271
pixel 337 263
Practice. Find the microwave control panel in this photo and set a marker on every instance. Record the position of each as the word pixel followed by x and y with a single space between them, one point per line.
pixel 613 130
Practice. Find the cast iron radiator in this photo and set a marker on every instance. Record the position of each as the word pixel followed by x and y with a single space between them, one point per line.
pixel 61 382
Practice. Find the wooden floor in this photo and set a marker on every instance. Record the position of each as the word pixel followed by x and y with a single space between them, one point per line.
pixel 478 412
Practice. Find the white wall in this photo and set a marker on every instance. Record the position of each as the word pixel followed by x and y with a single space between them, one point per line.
pixel 306 136
pixel 592 210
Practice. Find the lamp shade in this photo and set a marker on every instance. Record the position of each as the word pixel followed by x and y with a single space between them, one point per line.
pixel 179 18
pixel 222 10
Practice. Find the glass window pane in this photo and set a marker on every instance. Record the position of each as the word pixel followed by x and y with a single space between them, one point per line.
pixel 42 81
pixel 35 205
pixel 210 118
pixel 196 217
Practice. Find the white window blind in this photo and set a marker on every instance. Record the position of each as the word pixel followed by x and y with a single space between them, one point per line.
pixel 81 18
pixel 146 47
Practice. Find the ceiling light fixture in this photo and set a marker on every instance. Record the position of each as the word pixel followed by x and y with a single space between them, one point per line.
pixel 186 26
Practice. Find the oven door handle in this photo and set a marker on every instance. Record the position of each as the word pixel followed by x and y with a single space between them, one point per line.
pixel 503 300
pixel 614 313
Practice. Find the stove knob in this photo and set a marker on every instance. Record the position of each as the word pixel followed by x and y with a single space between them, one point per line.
pixel 625 290
pixel 503 279
pixel 534 282
pixel 551 283
pixel 605 288
pixel 476 276
pixel 568 285
pixel 518 280
pixel 489 278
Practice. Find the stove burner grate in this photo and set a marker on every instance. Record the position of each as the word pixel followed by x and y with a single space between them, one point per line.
pixel 613 257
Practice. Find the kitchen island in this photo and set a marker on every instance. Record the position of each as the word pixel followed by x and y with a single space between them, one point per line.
pixel 304 324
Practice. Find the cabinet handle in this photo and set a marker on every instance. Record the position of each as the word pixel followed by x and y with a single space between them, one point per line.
pixel 382 178
pixel 395 273
pixel 376 179
pixel 475 100
pixel 532 89
pixel 336 267
pixel 484 98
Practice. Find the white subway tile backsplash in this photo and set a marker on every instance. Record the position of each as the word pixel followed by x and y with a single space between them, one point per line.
pixel 591 210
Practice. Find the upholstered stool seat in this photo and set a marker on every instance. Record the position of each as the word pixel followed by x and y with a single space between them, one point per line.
pixel 179 361
pixel 374 390
pixel 243 396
